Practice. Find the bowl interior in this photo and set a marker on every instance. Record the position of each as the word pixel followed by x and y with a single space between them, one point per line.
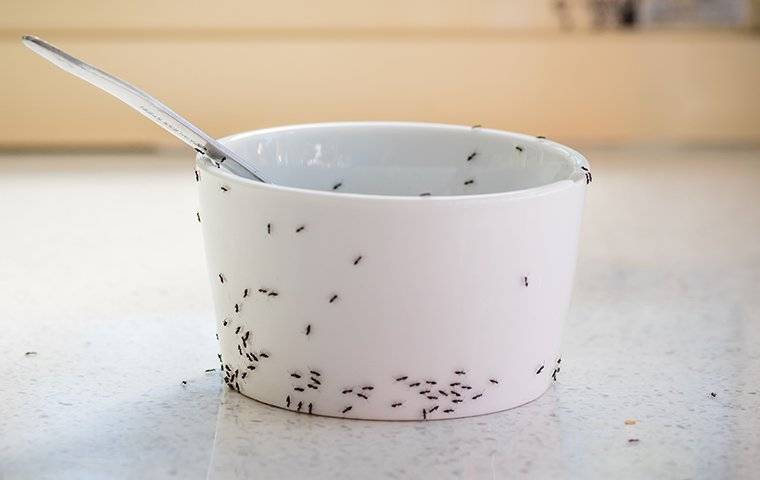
pixel 406 159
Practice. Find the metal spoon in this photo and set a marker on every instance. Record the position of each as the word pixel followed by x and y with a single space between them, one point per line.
pixel 167 118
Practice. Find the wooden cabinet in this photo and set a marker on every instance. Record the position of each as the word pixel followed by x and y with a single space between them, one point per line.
pixel 242 65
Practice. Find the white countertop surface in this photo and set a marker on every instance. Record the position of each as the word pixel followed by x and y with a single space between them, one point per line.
pixel 99 259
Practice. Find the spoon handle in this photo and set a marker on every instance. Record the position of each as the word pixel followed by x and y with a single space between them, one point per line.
pixel 152 108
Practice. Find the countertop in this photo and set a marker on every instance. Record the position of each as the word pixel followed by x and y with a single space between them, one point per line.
pixel 100 256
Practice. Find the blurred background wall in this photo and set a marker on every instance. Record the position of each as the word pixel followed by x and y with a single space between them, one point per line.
pixel 588 71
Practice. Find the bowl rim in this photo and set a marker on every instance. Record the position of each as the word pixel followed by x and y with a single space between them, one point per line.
pixel 576 158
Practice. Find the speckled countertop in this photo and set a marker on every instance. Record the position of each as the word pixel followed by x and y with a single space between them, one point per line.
pixel 100 260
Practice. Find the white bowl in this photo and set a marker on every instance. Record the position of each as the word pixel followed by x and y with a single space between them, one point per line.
pixel 342 291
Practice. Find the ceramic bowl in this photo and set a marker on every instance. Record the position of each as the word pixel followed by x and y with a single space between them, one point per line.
pixel 396 271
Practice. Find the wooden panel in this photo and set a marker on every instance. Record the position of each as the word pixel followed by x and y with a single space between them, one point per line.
pixel 582 87
pixel 105 15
